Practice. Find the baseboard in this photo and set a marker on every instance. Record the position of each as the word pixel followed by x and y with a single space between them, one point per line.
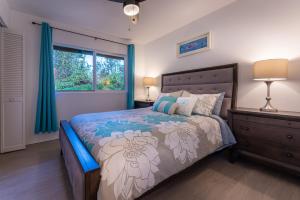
pixel 43 140
pixel 13 148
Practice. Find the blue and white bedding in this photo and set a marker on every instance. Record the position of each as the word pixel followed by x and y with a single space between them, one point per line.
pixel 137 149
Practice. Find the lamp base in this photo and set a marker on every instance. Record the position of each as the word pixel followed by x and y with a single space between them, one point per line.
pixel 268 107
pixel 148 94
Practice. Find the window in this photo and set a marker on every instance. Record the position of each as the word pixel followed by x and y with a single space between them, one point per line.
pixel 110 72
pixel 74 70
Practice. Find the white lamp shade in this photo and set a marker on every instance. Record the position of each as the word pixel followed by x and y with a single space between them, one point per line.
pixel 149 81
pixel 270 70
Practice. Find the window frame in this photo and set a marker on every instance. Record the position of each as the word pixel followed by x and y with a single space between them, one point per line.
pixel 94 86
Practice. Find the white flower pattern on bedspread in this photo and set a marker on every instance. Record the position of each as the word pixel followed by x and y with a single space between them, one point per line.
pixel 130 161
pixel 209 126
pixel 138 149
pixel 181 138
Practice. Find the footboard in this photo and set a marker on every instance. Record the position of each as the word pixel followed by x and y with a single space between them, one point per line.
pixel 83 170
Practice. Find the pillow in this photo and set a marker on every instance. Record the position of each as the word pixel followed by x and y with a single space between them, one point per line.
pixel 173 94
pixel 186 105
pixel 205 104
pixel 164 98
pixel 186 94
pixel 219 102
pixel 167 107
pixel 218 106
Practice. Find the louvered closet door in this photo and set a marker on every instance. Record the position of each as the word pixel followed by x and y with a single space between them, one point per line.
pixel 12 92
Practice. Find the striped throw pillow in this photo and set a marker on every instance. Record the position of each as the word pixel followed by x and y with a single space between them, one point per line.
pixel 167 107
pixel 164 98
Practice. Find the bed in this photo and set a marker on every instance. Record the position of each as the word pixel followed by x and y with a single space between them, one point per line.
pixel 123 154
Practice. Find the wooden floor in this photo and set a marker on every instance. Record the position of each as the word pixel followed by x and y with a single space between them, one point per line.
pixel 38 173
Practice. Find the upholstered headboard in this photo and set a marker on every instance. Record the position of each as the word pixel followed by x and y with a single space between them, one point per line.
pixel 208 80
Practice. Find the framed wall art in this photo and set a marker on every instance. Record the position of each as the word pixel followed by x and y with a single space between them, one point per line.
pixel 195 45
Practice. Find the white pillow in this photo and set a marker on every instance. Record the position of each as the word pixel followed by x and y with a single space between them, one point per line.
pixel 205 103
pixel 186 105
pixel 218 104
pixel 186 93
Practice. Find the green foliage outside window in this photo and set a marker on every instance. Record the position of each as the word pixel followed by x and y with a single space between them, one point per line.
pixel 73 71
pixel 110 73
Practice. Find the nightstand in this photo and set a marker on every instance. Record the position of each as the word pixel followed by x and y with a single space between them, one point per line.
pixel 271 138
pixel 143 103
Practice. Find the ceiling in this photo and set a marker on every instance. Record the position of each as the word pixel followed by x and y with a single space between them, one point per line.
pixel 157 18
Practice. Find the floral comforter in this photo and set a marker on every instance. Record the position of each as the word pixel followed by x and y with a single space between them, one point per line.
pixel 137 149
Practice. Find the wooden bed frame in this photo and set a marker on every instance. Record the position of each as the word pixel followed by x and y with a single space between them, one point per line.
pixel 82 168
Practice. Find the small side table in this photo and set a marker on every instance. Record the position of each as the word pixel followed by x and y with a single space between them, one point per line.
pixel 143 103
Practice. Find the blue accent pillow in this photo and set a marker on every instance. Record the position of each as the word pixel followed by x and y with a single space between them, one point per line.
pixel 164 98
pixel 167 107
pixel 168 98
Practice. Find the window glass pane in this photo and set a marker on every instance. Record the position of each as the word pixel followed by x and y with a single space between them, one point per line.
pixel 110 72
pixel 73 69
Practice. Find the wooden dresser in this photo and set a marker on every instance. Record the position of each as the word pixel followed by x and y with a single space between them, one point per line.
pixel 272 138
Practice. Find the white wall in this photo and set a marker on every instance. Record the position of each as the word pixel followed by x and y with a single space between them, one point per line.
pixel 243 32
pixel 68 104
pixel 4 11
pixel 139 71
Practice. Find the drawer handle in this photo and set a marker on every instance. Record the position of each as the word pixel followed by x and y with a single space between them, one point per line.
pixel 289 155
pixel 290 137
pixel 244 128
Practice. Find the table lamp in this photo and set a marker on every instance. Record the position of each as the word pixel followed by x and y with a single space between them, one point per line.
pixel 148 82
pixel 269 71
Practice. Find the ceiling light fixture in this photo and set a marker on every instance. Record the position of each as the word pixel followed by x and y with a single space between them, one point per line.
pixel 131 8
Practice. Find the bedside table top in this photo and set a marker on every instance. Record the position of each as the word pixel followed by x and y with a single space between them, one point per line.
pixel 257 112
pixel 144 101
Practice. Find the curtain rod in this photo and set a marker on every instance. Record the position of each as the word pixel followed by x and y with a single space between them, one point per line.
pixel 96 38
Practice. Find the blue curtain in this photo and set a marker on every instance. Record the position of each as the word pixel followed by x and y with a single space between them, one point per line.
pixel 46 117
pixel 130 78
